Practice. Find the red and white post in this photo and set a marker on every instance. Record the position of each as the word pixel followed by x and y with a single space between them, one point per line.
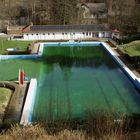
pixel 21 76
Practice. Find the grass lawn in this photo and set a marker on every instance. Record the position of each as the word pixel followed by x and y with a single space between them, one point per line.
pixel 4 44
pixel 132 49
pixel 5 95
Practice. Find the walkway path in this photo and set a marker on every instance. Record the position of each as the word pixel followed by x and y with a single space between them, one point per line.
pixel 35 48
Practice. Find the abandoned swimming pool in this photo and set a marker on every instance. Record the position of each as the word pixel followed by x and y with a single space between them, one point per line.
pixel 76 81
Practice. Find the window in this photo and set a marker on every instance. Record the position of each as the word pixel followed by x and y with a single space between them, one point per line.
pixel 83 33
pixel 74 33
pixel 53 33
pixel 62 33
pixel 96 35
pixel 86 33
pixel 32 34
pixel 44 34
pixel 27 34
pixel 48 33
pixel 36 34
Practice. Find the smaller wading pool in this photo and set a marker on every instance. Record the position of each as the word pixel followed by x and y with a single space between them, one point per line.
pixel 76 81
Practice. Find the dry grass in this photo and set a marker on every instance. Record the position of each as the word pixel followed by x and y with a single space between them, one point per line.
pixel 36 132
pixel 99 128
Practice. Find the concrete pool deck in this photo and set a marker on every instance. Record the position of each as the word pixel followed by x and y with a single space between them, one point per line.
pixel 34 48
pixel 15 105
pixel 131 66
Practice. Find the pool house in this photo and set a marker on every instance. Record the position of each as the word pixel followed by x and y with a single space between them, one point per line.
pixel 65 32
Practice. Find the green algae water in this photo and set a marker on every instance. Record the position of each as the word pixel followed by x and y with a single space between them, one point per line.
pixel 9 68
pixel 74 82
pixel 78 81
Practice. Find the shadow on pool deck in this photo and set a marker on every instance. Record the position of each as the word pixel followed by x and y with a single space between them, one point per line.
pixel 130 65
pixel 15 106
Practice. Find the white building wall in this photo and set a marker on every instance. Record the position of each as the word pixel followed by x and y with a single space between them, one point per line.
pixel 100 34
pixel 107 34
pixel 25 37
pixel 104 34
pixel 64 35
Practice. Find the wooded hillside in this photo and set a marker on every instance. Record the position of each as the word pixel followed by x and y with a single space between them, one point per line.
pixel 39 11
pixel 121 13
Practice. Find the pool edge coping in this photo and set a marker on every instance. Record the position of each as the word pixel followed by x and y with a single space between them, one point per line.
pixel 126 70
pixel 26 114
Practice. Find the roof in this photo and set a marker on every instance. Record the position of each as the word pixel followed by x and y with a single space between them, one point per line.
pixel 15 27
pixel 116 31
pixel 66 28
pixel 14 30
pixel 96 7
